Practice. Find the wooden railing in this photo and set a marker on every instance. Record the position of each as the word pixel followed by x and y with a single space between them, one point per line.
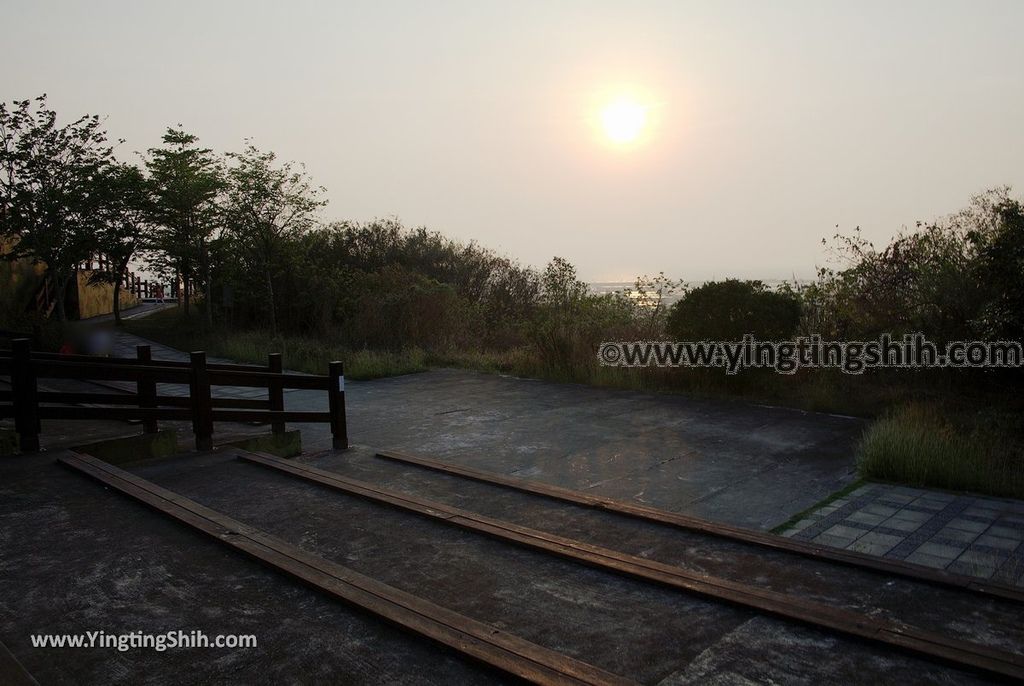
pixel 28 405
pixel 45 297
pixel 130 281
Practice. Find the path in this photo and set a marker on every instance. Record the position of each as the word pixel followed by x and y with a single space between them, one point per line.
pixel 964 534
pixel 729 461
pixel 732 462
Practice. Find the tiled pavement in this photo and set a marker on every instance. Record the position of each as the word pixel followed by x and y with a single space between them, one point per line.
pixel 977 536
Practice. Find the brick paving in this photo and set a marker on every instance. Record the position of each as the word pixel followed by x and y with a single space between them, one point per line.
pixel 966 534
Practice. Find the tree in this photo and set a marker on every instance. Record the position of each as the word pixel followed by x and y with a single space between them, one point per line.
pixel 648 297
pixel 557 327
pixel 954 278
pixel 186 180
pixel 48 176
pixel 266 205
pixel 126 212
pixel 999 272
pixel 560 289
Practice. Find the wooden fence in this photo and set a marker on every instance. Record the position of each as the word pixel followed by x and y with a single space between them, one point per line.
pixel 28 405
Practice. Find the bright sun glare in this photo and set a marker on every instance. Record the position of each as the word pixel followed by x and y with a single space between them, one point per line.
pixel 623 120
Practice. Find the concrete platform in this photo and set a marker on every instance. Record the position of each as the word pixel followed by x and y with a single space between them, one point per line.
pixel 731 462
pixel 79 558
pixel 727 461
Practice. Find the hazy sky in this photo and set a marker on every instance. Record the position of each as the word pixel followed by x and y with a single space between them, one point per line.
pixel 768 123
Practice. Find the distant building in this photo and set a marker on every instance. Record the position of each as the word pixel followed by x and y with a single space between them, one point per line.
pixel 26 291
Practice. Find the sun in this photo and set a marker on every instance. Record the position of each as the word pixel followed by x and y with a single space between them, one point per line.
pixel 623 120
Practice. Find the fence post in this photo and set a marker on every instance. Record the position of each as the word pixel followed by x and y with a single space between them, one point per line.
pixel 275 391
pixel 26 398
pixel 145 387
pixel 202 408
pixel 336 403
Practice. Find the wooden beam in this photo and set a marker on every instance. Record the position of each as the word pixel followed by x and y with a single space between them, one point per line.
pixel 490 645
pixel 703 526
pixel 145 388
pixel 263 379
pixel 123 413
pixel 859 625
pixel 12 673
pixel 94 359
pixel 270 416
pixel 101 371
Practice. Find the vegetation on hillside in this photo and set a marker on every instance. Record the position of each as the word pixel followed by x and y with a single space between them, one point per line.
pixel 262 269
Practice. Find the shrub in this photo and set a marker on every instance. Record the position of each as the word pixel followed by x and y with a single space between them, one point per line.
pixel 569 323
pixel 954 279
pixel 726 310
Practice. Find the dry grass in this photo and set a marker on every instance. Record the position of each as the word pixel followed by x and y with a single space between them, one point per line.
pixel 920 445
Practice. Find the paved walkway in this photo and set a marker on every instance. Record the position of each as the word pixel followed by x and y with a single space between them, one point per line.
pixel 965 534
pixel 136 312
pixel 733 462
pixel 124 345
pixel 727 461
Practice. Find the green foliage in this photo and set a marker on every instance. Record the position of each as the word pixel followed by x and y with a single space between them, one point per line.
pixel 396 308
pixel 48 176
pixel 126 208
pixel 998 269
pixel 186 180
pixel 265 205
pixel 16 297
pixel 955 279
pixel 727 310
pixel 568 322
pixel 382 285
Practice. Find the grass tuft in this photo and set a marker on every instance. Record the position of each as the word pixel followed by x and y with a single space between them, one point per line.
pixel 918 445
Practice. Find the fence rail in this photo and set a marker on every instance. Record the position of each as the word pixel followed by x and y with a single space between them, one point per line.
pixel 28 405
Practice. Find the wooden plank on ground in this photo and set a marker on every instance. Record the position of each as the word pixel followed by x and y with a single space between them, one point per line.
pixel 12 673
pixel 893 633
pixel 483 642
pixel 681 521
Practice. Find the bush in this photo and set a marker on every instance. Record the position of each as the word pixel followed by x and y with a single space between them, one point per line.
pixel 395 308
pixel 958 278
pixel 569 323
pixel 999 269
pixel 726 310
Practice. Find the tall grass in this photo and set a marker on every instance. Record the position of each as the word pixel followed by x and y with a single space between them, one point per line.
pixel 306 355
pixel 300 353
pixel 917 444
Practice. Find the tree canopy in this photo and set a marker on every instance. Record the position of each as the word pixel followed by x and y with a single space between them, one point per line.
pixel 49 198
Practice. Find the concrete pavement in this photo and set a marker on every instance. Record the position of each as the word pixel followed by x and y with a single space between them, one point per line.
pixel 965 534
pixel 732 462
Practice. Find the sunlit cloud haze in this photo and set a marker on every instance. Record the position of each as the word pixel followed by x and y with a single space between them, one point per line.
pixel 764 124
